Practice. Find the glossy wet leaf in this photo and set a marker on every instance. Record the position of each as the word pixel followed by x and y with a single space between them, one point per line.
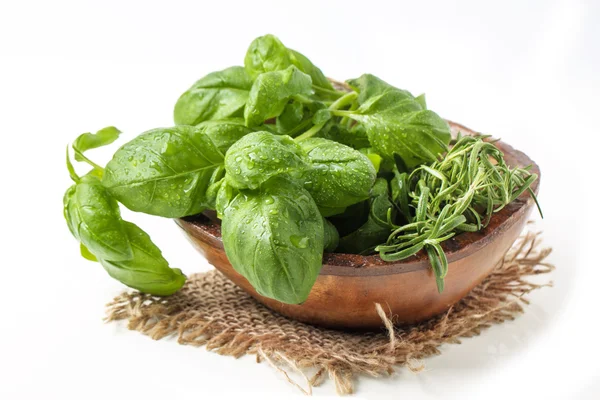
pixel 417 137
pixel 274 237
pixel 373 156
pixel 94 219
pixel 321 116
pixel 370 87
pixel 259 156
pixel 88 141
pixel 331 236
pixel 147 270
pixel 165 171
pixel 218 95
pixel 271 91
pixel 224 133
pixel 355 137
pixel 267 53
pixel 291 116
pixel 396 122
pixel 225 194
pixel 339 176
pixel 376 229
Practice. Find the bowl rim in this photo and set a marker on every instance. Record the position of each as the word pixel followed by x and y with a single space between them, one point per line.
pixel 207 228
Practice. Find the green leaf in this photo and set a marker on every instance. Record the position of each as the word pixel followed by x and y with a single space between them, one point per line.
pixel 321 116
pixel 376 229
pixel 147 270
pixel 225 194
pixel 165 171
pixel 331 237
pixel 356 137
pixel 331 211
pixel 218 95
pixel 421 100
pixel 417 137
pixel 94 219
pixel 351 218
pixel 399 185
pixel 306 66
pixel 212 192
pixel 369 86
pixel 339 176
pixel 71 169
pixel 259 156
pixel 267 54
pixel 271 92
pixel 88 141
pixel 292 115
pixel 85 253
pixel 396 123
pixel 372 156
pixel 224 133
pixel 274 238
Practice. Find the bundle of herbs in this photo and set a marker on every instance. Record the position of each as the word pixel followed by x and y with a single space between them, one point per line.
pixel 293 167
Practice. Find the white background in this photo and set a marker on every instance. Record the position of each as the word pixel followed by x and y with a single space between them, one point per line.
pixel 524 71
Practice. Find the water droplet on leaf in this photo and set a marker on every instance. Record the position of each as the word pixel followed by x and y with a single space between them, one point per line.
pixel 300 242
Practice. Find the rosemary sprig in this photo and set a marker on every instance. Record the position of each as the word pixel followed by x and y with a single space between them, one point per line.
pixel 458 193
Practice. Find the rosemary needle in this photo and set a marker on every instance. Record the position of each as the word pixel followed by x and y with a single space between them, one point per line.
pixel 458 193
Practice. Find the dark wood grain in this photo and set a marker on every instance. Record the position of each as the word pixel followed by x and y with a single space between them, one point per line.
pixel 349 285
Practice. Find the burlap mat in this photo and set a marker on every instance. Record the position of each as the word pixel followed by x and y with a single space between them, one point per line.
pixel 212 311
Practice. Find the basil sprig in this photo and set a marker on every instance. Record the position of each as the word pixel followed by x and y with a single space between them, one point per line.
pixel 124 250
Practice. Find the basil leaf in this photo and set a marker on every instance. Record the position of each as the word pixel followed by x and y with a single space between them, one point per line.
pixel 86 253
pixel 72 174
pixel 87 141
pixel 290 117
pixel 339 176
pixel 267 53
pixel 376 230
pixel 400 189
pixel 225 194
pixel 216 180
pixel 331 211
pixel 259 156
pixel 274 238
pixel 224 133
pixel 218 95
pixel 271 92
pixel 350 219
pixel 421 100
pixel 164 171
pixel 321 116
pixel 94 219
pixel 369 86
pixel 372 156
pixel 147 270
pixel 331 237
pixel 356 137
pixel 306 66
pixel 396 122
pixel 417 137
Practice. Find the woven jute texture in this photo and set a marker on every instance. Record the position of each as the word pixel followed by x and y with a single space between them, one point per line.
pixel 213 312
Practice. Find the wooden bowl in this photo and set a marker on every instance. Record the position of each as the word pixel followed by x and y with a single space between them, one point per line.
pixel 349 285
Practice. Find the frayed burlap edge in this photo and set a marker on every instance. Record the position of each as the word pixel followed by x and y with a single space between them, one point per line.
pixel 212 311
